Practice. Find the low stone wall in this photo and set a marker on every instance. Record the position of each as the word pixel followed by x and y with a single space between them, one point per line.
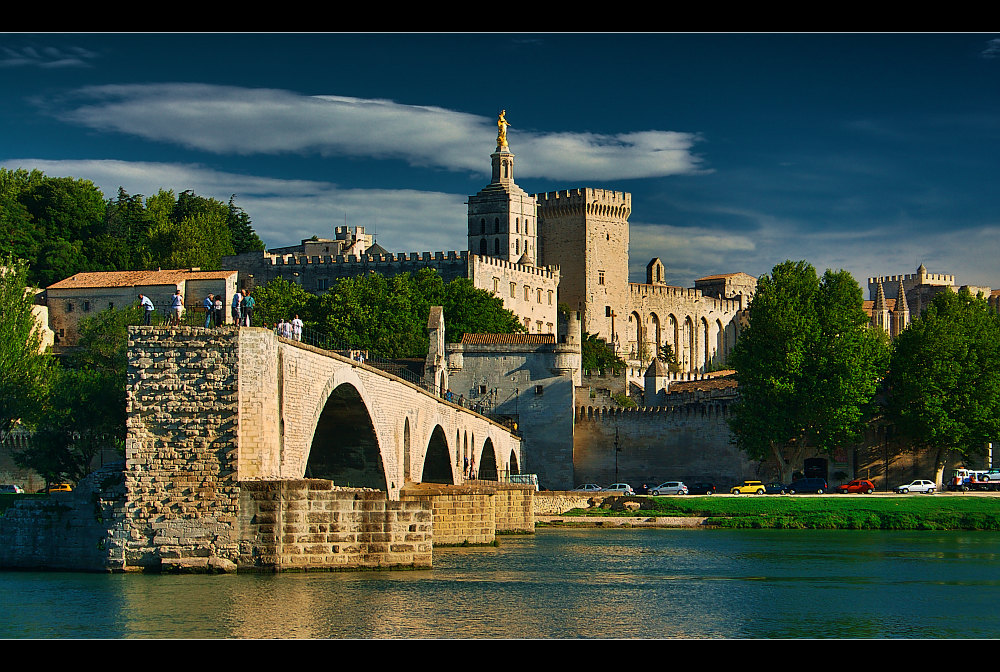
pixel 81 530
pixel 475 513
pixel 312 524
pixel 556 502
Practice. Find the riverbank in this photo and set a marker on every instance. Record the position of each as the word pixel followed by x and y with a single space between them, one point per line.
pixel 828 512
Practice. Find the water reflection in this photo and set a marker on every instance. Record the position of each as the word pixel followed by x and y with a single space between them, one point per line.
pixel 559 583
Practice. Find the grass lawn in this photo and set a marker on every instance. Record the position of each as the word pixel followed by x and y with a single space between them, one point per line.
pixel 860 512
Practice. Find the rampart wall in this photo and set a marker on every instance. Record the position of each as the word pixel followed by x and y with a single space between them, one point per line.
pixel 690 443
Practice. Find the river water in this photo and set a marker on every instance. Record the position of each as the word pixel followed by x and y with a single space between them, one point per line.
pixel 560 583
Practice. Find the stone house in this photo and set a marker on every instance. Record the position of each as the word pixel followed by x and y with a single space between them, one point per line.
pixel 83 295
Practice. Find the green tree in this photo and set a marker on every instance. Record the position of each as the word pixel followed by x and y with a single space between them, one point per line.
pixel 468 310
pixel 25 373
pixel 596 354
pixel 243 237
pixel 85 411
pixel 808 366
pixel 283 300
pixel 944 381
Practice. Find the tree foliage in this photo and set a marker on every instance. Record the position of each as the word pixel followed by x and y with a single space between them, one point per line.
pixel 63 225
pixel 596 354
pixel 85 411
pixel 25 373
pixel 808 365
pixel 386 315
pixel 944 383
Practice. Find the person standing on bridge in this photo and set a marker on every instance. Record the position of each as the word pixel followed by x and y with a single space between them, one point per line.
pixel 247 308
pixel 148 306
pixel 209 306
pixel 176 308
pixel 297 328
pixel 237 315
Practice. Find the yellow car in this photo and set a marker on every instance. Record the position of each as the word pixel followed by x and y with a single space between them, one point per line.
pixel 60 487
pixel 749 488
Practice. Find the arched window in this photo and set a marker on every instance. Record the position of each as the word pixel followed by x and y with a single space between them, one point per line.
pixel 517 246
pixel 496 246
pixel 482 247
pixel 482 226
pixel 517 225
pixel 496 225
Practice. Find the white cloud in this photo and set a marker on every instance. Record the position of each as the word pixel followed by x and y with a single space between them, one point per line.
pixel 242 121
pixel 45 57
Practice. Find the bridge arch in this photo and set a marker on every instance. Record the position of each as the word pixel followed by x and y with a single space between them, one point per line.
pixel 437 460
pixel 513 466
pixel 488 462
pixel 345 448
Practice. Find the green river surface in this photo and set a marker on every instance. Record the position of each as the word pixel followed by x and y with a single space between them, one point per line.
pixel 559 583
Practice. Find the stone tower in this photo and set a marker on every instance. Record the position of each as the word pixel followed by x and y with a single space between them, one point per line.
pixel 503 220
pixel 585 232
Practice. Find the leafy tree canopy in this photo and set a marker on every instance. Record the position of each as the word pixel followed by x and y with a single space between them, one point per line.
pixel 944 382
pixel 596 354
pixel 63 225
pixel 25 374
pixel 387 316
pixel 808 365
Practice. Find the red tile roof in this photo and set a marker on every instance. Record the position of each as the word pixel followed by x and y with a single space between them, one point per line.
pixel 136 278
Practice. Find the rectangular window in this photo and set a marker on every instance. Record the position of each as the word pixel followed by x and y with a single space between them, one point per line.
pixel 69 307
pixel 538 327
pixel 482 389
pixel 513 289
pixel 496 285
pixel 539 389
pixel 607 311
pixel 322 283
pixel 539 295
pixel 86 306
pixel 600 277
pixel 527 293
pixel 550 297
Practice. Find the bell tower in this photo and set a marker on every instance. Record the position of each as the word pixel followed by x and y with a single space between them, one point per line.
pixel 503 218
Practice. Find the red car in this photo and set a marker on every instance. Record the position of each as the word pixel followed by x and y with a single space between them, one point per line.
pixel 857 485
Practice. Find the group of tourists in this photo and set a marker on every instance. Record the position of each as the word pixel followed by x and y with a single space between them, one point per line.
pixel 291 329
pixel 241 308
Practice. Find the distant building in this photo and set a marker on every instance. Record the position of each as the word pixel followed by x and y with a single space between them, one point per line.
pixel 897 299
pixel 85 294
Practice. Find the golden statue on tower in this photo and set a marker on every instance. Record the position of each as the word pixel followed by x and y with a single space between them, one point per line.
pixel 502 130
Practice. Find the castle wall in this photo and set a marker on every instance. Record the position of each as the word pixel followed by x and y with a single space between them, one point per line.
pixel 531 293
pixel 688 443
pixel 524 382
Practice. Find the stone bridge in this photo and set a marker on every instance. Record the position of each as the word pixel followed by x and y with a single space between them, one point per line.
pixel 235 435
pixel 310 413
pixel 285 410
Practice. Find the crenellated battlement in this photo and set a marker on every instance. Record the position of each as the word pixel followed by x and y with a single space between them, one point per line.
pixel 928 278
pixel 586 200
pixel 694 409
pixel 643 290
pixel 548 272
pixel 422 257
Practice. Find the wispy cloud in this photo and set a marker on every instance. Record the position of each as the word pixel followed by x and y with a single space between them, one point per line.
pixel 242 121
pixel 46 57
pixel 992 49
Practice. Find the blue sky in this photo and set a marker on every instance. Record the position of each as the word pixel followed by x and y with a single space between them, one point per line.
pixel 869 152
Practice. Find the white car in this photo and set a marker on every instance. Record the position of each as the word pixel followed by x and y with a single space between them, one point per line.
pixel 623 488
pixel 917 486
pixel 670 488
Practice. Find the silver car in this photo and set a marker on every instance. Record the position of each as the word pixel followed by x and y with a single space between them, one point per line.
pixel 623 488
pixel 917 486
pixel 587 487
pixel 670 488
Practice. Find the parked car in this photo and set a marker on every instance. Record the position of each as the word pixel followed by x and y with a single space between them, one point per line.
pixel 917 486
pixel 623 488
pixel 857 485
pixel 670 488
pixel 775 488
pixel 749 488
pixel 11 489
pixel 701 489
pixel 817 485
pixel 587 487
pixel 60 487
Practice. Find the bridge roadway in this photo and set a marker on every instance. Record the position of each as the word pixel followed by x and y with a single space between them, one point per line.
pixel 308 412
